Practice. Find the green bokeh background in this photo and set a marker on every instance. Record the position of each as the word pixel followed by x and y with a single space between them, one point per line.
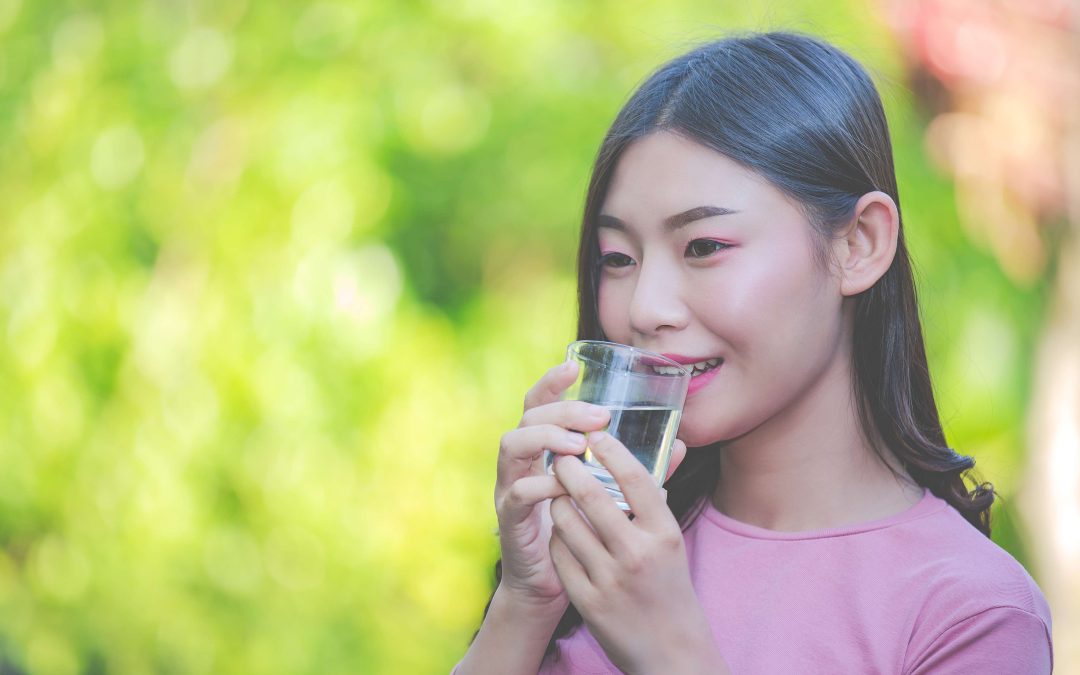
pixel 274 278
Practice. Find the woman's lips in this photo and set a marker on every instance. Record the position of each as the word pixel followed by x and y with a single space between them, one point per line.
pixel 697 382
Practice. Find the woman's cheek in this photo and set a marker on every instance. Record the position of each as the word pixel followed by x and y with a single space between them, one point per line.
pixel 613 311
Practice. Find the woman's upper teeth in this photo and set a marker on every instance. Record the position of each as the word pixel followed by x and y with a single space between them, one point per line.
pixel 704 365
pixel 699 366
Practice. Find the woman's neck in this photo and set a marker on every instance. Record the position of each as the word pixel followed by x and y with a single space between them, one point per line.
pixel 810 468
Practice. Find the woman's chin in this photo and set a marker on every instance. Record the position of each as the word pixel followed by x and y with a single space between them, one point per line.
pixel 695 438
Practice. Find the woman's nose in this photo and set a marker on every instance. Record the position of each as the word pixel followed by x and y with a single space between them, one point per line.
pixel 657 303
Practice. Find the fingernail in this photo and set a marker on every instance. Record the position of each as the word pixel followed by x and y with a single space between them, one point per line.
pixel 598 413
pixel 575 440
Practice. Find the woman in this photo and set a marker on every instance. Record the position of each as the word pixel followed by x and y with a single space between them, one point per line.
pixel 744 207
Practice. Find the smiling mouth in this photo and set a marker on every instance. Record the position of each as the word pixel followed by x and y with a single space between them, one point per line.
pixel 695 368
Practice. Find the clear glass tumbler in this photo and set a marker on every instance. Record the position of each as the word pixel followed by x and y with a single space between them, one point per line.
pixel 645 393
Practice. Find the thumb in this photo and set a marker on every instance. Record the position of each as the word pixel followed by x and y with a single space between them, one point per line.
pixel 678 454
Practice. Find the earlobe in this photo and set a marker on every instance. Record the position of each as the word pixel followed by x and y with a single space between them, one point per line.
pixel 868 245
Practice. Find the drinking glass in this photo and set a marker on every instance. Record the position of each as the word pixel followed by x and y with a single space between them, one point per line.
pixel 643 391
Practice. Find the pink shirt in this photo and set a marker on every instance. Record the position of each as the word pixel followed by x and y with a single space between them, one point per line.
pixel 916 593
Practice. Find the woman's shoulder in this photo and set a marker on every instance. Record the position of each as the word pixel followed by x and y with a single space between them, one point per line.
pixel 963 563
pixel 928 559
pixel 971 583
pixel 960 588
pixel 925 581
pixel 980 595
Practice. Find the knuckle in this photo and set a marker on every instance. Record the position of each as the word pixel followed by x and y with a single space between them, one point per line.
pixel 513 496
pixel 558 526
pixel 505 442
pixel 591 497
pixel 670 542
pixel 527 418
pixel 638 480
pixel 558 522
pixel 635 562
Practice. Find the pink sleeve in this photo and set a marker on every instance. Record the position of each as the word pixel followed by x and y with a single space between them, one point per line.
pixel 998 640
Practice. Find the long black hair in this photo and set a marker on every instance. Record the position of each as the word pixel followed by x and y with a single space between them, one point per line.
pixel 807 117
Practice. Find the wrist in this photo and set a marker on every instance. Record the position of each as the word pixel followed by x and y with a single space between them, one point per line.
pixel 693 651
pixel 705 659
pixel 530 606
pixel 514 635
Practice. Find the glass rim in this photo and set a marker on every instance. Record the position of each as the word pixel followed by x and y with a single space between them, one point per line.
pixel 662 360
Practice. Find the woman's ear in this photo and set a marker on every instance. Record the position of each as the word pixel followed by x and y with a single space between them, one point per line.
pixel 864 249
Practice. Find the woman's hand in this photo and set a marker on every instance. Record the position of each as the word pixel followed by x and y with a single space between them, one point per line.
pixel 630 579
pixel 523 489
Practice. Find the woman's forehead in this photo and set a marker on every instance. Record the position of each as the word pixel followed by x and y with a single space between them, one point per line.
pixel 663 175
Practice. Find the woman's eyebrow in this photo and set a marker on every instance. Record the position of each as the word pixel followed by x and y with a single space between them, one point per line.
pixel 672 222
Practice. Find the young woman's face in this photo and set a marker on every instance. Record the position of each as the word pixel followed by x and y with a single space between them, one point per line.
pixel 741 286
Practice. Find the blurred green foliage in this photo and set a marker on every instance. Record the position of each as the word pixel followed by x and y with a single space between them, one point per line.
pixel 276 276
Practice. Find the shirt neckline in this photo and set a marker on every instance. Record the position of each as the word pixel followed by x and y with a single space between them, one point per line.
pixel 928 505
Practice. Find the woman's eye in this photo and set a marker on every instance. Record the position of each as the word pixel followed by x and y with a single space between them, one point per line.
pixel 616 260
pixel 701 248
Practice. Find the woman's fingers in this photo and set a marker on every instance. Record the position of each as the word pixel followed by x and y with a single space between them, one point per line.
pixel 552 426
pixel 571 573
pixel 578 535
pixel 639 489
pixel 525 493
pixel 596 505
pixel 678 454
pixel 552 384
pixel 577 415
pixel 547 424
pixel 519 447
